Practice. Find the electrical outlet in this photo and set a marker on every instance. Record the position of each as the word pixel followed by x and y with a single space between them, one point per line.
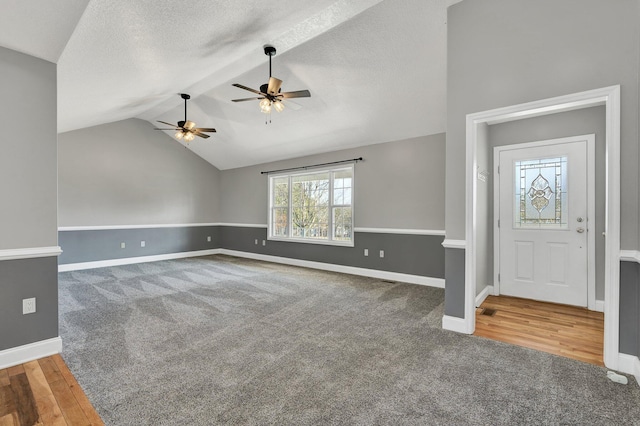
pixel 381 253
pixel 256 241
pixel 209 239
pixel 28 306
pixel 264 243
pixel 366 252
pixel 143 244
pixel 122 245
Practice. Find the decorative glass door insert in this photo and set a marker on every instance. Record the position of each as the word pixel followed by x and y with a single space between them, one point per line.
pixel 541 197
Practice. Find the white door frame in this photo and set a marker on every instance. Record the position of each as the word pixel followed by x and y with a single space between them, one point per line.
pixel 610 98
pixel 591 209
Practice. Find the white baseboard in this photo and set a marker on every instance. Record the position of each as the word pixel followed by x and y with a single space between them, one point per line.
pixel 629 364
pixel 26 353
pixel 384 275
pixel 459 325
pixel 373 273
pixel 488 290
pixel 132 260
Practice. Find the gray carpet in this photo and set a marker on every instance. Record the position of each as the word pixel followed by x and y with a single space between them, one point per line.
pixel 222 340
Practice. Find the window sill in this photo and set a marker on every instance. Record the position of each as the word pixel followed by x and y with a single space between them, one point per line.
pixel 309 241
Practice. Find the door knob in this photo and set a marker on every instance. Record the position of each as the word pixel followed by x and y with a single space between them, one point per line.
pixel 580 230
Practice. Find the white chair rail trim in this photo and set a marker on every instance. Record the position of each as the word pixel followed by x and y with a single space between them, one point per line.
pixel 29 253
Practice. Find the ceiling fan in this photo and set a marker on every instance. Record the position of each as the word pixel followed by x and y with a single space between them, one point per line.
pixel 186 129
pixel 270 93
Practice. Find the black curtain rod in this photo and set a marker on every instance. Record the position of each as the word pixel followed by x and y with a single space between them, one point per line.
pixel 315 165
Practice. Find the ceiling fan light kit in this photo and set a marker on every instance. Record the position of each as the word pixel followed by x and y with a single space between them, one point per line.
pixel 186 130
pixel 270 94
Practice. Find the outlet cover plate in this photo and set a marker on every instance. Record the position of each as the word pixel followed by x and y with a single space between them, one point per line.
pixel 28 306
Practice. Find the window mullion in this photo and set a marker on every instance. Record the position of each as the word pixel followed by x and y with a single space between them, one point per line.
pixel 330 213
pixel 290 209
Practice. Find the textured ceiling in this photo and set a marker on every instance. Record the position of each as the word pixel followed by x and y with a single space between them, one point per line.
pixel 39 28
pixel 376 69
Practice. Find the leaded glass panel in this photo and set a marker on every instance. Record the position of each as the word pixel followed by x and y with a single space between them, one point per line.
pixel 540 193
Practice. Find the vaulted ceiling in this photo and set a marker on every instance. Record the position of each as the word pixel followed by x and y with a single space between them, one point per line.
pixel 376 69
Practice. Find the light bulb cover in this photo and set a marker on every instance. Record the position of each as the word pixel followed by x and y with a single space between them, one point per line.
pixel 189 137
pixel 279 106
pixel 265 106
pixel 179 134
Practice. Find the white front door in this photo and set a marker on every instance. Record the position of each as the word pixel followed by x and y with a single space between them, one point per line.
pixel 542 214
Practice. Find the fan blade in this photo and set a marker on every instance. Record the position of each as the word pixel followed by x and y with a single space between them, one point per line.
pixel 274 86
pixel 202 135
pixel 296 94
pixel 157 128
pixel 205 129
pixel 248 88
pixel 168 124
pixel 290 104
pixel 245 99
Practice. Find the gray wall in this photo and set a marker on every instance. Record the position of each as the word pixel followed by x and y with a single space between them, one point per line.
pixel 126 173
pixel 506 52
pixel 630 308
pixel 421 255
pixel 104 244
pixel 28 172
pixel 398 185
pixel 28 187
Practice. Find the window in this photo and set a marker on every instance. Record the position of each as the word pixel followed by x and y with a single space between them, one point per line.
pixel 312 206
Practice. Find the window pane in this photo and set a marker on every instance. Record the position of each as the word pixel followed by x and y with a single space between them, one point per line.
pixel 342 224
pixel 338 196
pixel 280 192
pixel 280 225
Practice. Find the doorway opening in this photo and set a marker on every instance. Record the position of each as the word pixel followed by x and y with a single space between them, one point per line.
pixel 476 259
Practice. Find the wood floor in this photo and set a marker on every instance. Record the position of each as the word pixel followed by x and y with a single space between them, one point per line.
pixel 43 392
pixel 563 330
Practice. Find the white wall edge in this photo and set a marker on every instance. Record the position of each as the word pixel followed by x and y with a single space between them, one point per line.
pixel 131 260
pixel 459 325
pixel 109 227
pixel 630 256
pixel 373 273
pixel 599 306
pixel 483 295
pixel 30 253
pixel 629 364
pixel 435 232
pixel 30 352
pixel 455 244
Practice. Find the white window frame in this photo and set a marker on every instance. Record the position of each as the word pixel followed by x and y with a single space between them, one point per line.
pixel 329 240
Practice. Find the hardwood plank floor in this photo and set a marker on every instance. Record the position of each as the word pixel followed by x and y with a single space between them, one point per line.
pixel 43 392
pixel 563 330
